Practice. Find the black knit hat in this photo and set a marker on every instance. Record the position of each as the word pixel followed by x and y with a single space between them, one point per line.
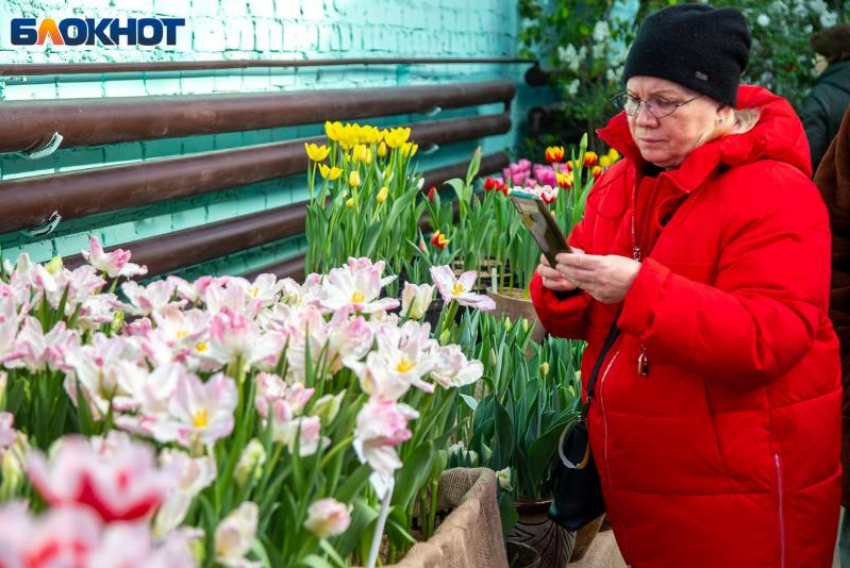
pixel 695 46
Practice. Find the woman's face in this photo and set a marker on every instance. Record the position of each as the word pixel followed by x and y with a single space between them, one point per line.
pixel 667 141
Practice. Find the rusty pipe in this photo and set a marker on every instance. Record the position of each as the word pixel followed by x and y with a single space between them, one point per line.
pixel 25 125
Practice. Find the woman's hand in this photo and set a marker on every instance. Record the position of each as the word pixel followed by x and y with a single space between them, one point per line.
pixel 552 278
pixel 606 278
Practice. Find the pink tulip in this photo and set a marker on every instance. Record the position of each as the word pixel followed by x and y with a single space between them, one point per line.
pixel 357 286
pixel 452 368
pixel 545 175
pixel 327 517
pixel 114 264
pixel 122 485
pixel 382 425
pixel 154 297
pixel 460 289
pixel 235 535
pixel 198 413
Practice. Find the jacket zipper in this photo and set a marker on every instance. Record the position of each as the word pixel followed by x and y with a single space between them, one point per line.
pixel 777 459
pixel 643 358
pixel 605 444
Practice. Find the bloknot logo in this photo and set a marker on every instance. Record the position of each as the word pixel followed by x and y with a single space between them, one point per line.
pixel 76 32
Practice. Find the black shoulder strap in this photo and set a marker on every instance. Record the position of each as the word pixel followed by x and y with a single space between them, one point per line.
pixel 612 336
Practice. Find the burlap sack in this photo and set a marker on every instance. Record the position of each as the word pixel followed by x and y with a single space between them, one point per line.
pixel 471 536
pixel 603 553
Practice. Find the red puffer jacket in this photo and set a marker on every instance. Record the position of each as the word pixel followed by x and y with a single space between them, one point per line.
pixel 726 454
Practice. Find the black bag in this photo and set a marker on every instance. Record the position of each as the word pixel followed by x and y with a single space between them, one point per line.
pixel 578 490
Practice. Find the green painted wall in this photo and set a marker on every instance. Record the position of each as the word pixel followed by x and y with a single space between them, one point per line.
pixel 257 29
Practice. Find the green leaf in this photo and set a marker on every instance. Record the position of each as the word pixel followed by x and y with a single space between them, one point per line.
pixel 470 401
pixel 507 512
pixel 371 237
pixel 362 515
pixel 413 475
pixel 457 185
pixel 353 484
pixel 315 561
pixel 332 554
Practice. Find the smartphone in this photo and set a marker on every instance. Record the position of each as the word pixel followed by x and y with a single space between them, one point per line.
pixel 537 219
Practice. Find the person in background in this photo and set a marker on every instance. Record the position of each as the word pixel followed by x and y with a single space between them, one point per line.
pixel 716 421
pixel 833 181
pixel 822 110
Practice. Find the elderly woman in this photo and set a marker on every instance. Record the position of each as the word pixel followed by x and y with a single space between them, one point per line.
pixel 716 419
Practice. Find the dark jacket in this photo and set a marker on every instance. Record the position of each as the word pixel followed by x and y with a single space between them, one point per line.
pixel 833 181
pixel 727 454
pixel 822 110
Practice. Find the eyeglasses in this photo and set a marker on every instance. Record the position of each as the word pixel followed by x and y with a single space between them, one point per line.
pixel 657 107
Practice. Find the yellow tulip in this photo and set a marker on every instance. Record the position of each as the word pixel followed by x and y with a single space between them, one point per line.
pixel 333 130
pixel 317 153
pixel 408 149
pixel 354 178
pixel 396 137
pixel 605 161
pixel 614 155
pixel 361 153
pixel 370 135
pixel 382 194
pixel 350 202
pixel 329 173
pixel 382 150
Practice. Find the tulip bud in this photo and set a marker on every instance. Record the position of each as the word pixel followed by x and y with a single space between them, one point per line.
pixel 431 193
pixel 354 178
pixel 504 477
pixel 117 322
pixel 382 150
pixel 544 368
pixel 508 324
pixel 382 194
pixel 445 337
pixel 55 265
pixel 350 202
pixel 493 358
pixel 457 449
pixel 488 453
pixel 250 462
pixel 327 407
pixel 328 517
pixel 12 467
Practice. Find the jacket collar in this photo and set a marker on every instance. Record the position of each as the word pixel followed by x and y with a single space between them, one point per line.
pixel 778 135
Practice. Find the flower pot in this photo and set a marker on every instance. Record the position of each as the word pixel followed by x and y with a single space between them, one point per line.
pixel 512 303
pixel 534 528
pixel 520 555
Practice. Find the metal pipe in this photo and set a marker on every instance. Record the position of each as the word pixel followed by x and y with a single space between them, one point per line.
pixel 31 69
pixel 171 251
pixel 29 202
pixel 289 268
pixel 25 125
